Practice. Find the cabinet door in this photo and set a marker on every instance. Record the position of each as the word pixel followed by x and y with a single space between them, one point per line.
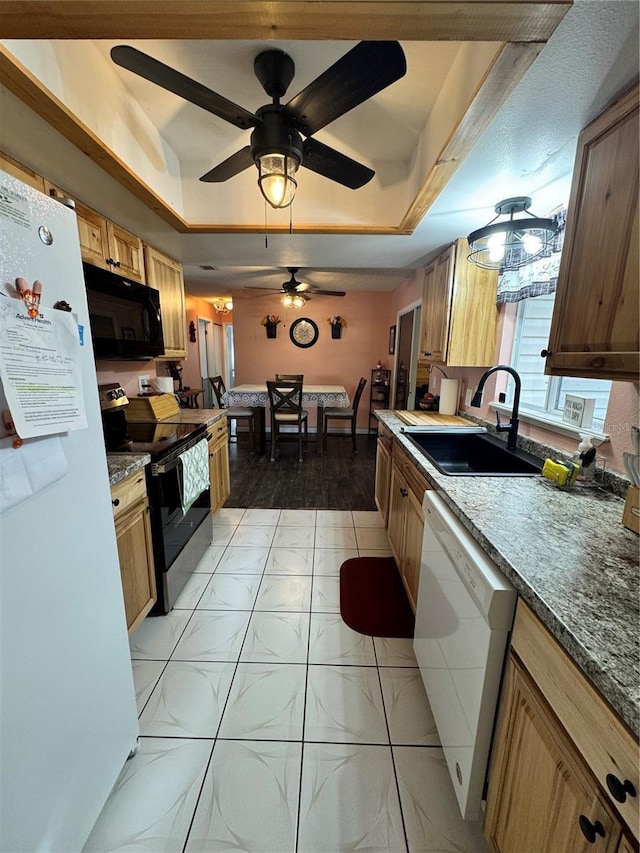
pixel 383 479
pixel 594 332
pixel 126 253
pixel 94 242
pixel 539 788
pixel 133 534
pixel 23 173
pixel 219 475
pixel 165 275
pixel 473 329
pixel 397 496
pixel 435 307
pixel 413 532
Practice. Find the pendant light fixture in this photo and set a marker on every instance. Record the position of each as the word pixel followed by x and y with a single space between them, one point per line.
pixel 507 243
pixel 223 306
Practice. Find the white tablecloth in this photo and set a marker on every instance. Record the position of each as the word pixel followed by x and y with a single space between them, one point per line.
pixel 256 395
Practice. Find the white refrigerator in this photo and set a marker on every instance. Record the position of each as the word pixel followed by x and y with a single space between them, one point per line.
pixel 68 719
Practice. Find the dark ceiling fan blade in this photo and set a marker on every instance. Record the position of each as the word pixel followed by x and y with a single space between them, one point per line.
pixel 326 161
pixel 365 70
pixel 168 78
pixel 327 292
pixel 233 165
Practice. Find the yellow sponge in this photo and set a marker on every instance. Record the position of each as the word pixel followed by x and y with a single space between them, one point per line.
pixel 562 473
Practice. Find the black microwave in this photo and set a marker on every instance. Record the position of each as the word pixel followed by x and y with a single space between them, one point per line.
pixel 124 315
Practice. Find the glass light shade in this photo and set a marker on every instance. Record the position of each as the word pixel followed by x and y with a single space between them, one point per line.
pixel 507 243
pixel 287 301
pixel 275 178
pixel 297 300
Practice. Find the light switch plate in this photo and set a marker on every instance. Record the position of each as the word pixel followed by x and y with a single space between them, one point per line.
pixel 144 384
pixel 468 396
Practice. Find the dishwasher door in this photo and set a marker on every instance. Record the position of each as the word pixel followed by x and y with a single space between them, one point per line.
pixel 464 614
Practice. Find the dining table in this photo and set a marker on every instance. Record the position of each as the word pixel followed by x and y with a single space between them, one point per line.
pixel 256 397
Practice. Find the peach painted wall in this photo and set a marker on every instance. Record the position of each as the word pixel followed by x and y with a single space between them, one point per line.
pixel 329 362
pixel 191 365
pixel 127 372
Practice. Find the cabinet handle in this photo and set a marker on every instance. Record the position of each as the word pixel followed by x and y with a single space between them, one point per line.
pixel 619 790
pixel 116 502
pixel 545 353
pixel 590 830
pixel 404 492
pixel 109 261
pixel 116 263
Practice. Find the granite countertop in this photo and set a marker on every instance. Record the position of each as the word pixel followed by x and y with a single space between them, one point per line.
pixel 569 557
pixel 192 416
pixel 120 465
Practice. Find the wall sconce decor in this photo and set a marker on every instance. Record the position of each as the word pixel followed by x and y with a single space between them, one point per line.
pixel 192 332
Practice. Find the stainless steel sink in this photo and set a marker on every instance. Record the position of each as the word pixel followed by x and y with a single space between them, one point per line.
pixel 474 454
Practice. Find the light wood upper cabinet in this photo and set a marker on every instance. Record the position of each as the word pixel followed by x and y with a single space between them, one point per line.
pixel 459 313
pixel 125 253
pixel 135 548
pixel 23 173
pixel 595 330
pixel 165 275
pixel 105 244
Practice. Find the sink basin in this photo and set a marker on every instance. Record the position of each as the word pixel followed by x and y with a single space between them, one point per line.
pixel 474 455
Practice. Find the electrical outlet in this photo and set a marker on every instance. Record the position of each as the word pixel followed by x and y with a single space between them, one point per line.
pixel 144 384
pixel 468 396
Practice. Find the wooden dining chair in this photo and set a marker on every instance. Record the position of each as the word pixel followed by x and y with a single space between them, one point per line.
pixel 234 413
pixel 285 401
pixel 289 377
pixel 334 413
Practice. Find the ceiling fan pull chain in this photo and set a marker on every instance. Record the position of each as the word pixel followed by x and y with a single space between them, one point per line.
pixel 291 218
pixel 266 239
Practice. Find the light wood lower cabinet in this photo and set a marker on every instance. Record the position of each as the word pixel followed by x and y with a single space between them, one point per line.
pixel 135 549
pixel 557 744
pixel 383 472
pixel 220 481
pixel 406 519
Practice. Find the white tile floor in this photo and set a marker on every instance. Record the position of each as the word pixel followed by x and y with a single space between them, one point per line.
pixel 266 723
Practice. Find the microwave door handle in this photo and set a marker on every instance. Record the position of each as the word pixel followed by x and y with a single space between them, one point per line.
pixel 151 321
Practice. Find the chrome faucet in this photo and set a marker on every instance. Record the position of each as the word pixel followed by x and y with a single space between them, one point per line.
pixel 512 429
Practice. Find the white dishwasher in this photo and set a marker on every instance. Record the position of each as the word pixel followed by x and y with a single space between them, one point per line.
pixel 464 615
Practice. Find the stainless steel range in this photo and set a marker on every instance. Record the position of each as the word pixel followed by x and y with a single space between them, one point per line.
pixel 180 539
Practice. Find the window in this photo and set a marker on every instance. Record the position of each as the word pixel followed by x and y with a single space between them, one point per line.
pixel 546 394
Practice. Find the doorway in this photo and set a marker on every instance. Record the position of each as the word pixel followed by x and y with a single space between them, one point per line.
pixel 207 356
pixel 408 341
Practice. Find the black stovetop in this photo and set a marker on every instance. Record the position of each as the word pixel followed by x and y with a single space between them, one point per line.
pixel 157 439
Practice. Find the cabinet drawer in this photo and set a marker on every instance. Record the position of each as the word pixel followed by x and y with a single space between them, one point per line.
pixel 217 434
pixel 601 738
pixel 128 492
pixel 415 480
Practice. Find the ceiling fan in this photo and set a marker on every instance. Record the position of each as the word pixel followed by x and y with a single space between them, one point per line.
pixel 298 292
pixel 276 145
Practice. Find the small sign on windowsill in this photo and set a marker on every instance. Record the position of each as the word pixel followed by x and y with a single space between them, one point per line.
pixel 578 411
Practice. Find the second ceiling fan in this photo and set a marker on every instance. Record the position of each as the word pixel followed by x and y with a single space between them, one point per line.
pixel 277 147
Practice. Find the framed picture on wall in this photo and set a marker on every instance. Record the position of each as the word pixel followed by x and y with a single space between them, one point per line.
pixel 392 340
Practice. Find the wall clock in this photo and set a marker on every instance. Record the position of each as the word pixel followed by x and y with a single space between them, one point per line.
pixel 303 332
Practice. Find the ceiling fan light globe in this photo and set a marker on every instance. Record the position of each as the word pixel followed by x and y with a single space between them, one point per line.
pixel 276 178
pixel 298 300
pixel 287 301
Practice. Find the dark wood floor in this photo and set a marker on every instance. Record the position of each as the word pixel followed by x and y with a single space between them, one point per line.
pixel 336 480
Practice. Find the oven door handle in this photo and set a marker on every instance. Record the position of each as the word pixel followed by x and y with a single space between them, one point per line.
pixel 163 468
